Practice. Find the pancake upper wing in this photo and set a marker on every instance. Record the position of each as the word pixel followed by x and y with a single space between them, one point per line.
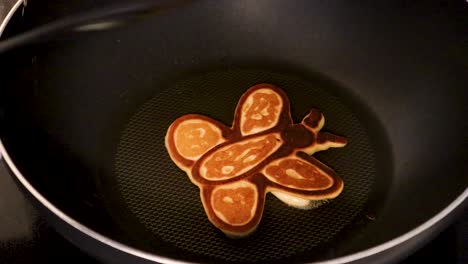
pixel 191 136
pixel 262 107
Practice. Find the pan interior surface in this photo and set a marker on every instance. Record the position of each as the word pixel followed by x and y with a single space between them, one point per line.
pixel 162 198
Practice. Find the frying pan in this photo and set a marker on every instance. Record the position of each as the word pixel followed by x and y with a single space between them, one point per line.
pixel 85 103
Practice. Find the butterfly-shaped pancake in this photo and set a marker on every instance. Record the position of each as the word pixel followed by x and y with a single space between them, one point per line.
pixel 263 151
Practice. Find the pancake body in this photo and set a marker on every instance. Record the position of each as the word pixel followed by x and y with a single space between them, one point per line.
pixel 263 151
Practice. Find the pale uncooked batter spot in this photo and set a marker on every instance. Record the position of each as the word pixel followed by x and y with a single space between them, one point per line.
pixel 256 117
pixel 227 169
pixel 293 173
pixel 249 158
pixel 228 199
pixel 202 132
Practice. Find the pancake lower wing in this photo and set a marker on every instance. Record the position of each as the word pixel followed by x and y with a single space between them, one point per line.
pixel 234 208
pixel 300 179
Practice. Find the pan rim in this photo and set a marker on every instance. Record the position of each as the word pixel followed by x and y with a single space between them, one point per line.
pixel 458 201
pixel 10 14
pixel 155 258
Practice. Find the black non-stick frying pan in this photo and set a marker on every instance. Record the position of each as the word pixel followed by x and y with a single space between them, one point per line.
pixel 85 104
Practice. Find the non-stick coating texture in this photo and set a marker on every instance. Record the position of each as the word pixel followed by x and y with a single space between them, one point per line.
pixel 163 199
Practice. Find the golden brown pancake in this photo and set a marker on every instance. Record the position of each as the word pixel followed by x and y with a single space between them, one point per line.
pixel 263 151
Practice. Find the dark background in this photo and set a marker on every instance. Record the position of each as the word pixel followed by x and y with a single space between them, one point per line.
pixel 26 238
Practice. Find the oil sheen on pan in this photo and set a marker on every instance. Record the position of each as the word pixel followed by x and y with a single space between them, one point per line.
pixel 263 151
